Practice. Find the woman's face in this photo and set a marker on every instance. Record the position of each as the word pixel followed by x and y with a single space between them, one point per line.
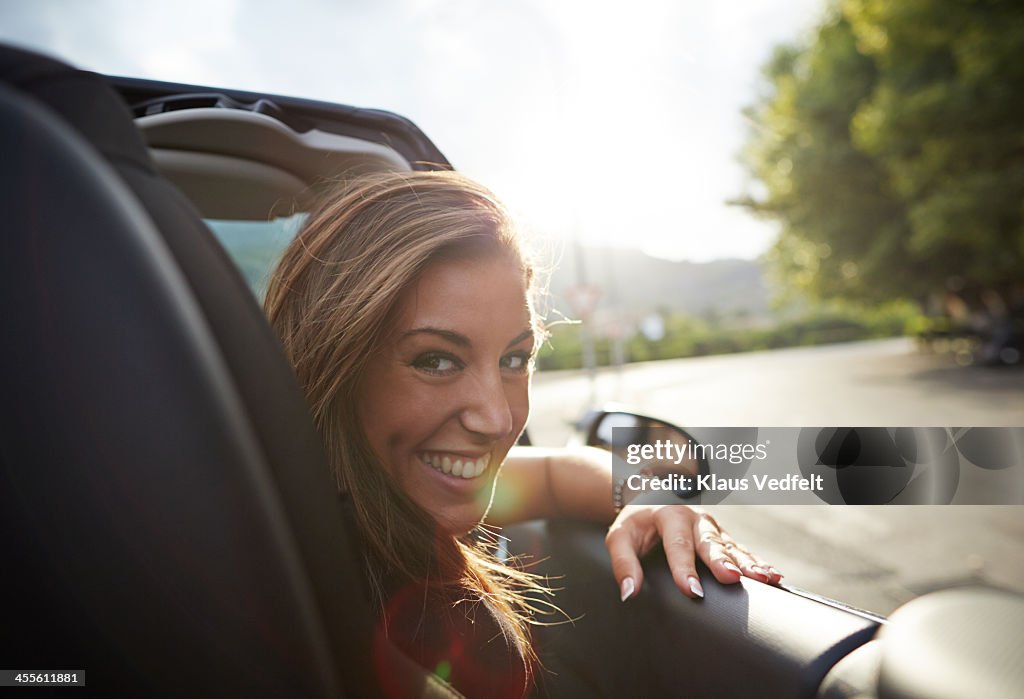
pixel 449 393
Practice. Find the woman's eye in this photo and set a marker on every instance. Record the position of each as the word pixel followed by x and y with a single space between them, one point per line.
pixel 434 363
pixel 517 361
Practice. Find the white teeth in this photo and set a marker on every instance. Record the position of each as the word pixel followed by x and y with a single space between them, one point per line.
pixel 463 468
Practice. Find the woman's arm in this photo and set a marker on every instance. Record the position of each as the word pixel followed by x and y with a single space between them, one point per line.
pixel 541 483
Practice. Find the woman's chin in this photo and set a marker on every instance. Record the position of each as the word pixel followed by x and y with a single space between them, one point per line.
pixel 459 519
pixel 458 526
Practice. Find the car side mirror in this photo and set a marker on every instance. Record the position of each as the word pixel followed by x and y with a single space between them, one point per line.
pixel 625 434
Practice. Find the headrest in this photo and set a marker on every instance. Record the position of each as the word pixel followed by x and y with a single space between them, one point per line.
pixel 83 99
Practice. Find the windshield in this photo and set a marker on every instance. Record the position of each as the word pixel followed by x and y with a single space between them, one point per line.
pixel 256 246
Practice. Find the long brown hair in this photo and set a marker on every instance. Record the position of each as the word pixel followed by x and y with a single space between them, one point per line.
pixel 331 300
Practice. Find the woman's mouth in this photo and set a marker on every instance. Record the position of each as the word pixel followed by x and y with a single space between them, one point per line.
pixel 456 465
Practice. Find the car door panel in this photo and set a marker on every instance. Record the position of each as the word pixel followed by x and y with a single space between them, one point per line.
pixel 748 639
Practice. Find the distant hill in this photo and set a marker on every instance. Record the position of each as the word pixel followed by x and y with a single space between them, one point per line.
pixel 631 281
pixel 636 283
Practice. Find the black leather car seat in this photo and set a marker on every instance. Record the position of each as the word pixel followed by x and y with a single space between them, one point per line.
pixel 170 523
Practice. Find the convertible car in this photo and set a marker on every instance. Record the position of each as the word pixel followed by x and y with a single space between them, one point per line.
pixel 170 525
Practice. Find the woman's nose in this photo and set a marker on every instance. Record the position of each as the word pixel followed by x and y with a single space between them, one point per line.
pixel 487 411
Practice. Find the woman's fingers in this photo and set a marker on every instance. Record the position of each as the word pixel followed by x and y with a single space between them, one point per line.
pixel 750 566
pixel 685 533
pixel 713 550
pixel 625 561
pixel 756 568
pixel 677 535
pixel 728 560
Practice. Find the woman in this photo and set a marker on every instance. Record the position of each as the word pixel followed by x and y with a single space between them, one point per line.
pixel 404 305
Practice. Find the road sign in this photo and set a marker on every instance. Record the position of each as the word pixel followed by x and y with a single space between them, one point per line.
pixel 583 299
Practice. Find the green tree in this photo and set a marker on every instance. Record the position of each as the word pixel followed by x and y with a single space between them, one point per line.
pixel 891 150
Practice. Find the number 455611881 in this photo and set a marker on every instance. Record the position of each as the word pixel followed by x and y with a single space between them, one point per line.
pixel 47 678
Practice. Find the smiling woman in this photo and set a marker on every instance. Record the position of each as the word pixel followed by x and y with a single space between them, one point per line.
pixel 404 305
pixel 448 394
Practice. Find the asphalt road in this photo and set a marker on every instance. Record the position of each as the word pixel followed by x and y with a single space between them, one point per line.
pixel 873 557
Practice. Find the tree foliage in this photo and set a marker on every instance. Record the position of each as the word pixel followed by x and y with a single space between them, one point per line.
pixel 891 149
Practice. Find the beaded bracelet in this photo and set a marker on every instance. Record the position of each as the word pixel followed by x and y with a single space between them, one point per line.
pixel 617 494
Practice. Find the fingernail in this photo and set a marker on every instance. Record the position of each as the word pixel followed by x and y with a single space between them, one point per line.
pixel 628 588
pixel 775 572
pixel 761 571
pixel 695 587
pixel 729 565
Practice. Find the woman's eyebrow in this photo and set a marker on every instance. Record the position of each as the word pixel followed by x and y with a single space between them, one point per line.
pixel 460 339
pixel 450 335
pixel 525 335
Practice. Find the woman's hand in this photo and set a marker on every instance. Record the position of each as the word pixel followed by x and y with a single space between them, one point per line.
pixel 540 483
pixel 686 532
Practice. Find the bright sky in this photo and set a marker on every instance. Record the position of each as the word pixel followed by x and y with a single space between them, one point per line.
pixel 619 122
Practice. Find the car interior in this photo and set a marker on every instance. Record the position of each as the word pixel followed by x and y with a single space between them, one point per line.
pixel 171 526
